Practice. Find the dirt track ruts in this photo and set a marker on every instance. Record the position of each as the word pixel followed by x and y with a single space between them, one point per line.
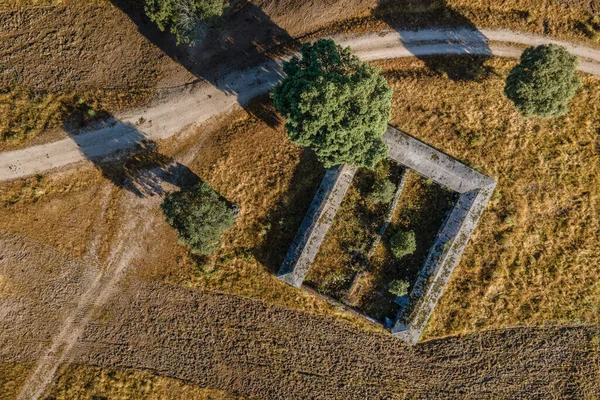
pixel 250 348
pixel 204 101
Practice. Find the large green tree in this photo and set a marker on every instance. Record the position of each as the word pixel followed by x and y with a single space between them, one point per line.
pixel 335 104
pixel 186 19
pixel 543 82
pixel 200 215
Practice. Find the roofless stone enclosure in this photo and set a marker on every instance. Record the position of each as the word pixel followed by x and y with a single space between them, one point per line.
pixel 474 188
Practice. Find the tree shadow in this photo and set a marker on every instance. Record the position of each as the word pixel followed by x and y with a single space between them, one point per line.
pixel 444 33
pixel 143 171
pixel 239 54
pixel 287 215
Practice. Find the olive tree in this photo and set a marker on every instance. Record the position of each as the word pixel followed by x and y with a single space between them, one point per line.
pixel 200 215
pixel 335 104
pixel 186 19
pixel 543 82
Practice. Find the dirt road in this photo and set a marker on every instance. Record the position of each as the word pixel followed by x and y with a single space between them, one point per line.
pixel 204 101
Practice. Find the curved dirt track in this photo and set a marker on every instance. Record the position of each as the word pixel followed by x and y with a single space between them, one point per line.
pixel 250 348
pixel 205 101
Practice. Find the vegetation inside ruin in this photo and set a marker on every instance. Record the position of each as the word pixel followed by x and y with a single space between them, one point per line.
pixel 422 208
pixel 343 268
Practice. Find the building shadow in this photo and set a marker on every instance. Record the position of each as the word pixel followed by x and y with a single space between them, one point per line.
pixel 244 46
pixel 443 34
pixel 128 159
pixel 287 215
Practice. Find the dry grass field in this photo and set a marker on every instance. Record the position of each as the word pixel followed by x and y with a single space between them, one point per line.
pixel 535 255
pixel 533 259
pixel 80 382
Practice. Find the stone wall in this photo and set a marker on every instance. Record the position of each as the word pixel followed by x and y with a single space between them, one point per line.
pixel 316 223
pixel 475 191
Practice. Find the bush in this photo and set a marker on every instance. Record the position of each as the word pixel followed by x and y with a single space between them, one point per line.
pixel 399 287
pixel 403 243
pixel 200 215
pixel 543 82
pixel 186 19
pixel 335 104
pixel 383 192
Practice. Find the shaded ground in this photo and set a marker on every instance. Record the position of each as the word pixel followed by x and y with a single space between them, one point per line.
pixel 250 348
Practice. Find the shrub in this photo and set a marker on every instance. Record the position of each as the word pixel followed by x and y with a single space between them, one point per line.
pixel 543 82
pixel 399 287
pixel 186 19
pixel 383 192
pixel 403 243
pixel 200 215
pixel 335 104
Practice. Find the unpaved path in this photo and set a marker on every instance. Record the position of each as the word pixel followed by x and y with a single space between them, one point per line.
pixel 204 101
pixel 97 291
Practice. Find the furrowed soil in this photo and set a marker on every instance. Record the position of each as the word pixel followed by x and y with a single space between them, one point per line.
pixel 251 348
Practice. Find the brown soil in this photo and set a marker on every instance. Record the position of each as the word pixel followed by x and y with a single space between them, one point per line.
pixel 248 347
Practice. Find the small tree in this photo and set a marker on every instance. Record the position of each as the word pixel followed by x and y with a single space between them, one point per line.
pixel 403 243
pixel 186 19
pixel 383 192
pixel 543 82
pixel 200 215
pixel 399 287
pixel 335 104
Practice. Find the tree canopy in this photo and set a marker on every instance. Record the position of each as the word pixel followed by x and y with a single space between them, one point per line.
pixel 186 19
pixel 200 215
pixel 335 104
pixel 543 82
pixel 403 243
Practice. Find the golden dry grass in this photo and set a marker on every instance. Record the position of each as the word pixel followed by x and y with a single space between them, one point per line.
pixel 64 210
pixel 12 377
pixel 535 256
pixel 84 382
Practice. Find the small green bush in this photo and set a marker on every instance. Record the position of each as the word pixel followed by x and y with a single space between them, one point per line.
pixel 403 243
pixel 200 215
pixel 383 192
pixel 544 81
pixel 399 287
pixel 186 19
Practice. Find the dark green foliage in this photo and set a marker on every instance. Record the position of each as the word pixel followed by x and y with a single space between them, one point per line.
pixel 383 192
pixel 200 215
pixel 398 287
pixel 403 243
pixel 335 104
pixel 186 19
pixel 543 82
